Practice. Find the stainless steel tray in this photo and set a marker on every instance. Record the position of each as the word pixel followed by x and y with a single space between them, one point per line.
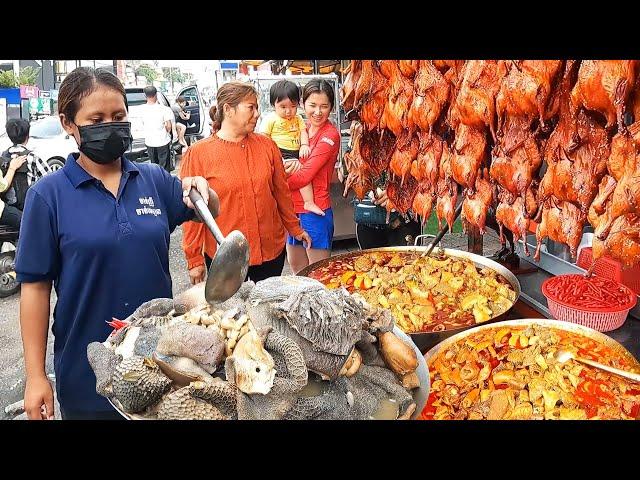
pixel 420 394
pixel 425 340
pixel 559 324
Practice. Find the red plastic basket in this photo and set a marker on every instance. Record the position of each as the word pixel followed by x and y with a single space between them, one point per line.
pixel 606 267
pixel 601 319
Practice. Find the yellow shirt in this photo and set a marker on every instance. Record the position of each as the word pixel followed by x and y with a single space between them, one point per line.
pixel 286 133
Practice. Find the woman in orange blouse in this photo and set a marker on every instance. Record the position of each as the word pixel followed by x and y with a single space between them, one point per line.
pixel 246 171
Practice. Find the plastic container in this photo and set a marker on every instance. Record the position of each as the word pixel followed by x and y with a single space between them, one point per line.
pixel 600 319
pixel 606 267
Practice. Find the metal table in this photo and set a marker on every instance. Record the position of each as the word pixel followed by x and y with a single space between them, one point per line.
pixel 628 334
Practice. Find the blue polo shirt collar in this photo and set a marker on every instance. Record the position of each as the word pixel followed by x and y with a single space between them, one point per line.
pixel 78 175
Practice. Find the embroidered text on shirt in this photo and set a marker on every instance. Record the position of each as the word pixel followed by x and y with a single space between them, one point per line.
pixel 146 210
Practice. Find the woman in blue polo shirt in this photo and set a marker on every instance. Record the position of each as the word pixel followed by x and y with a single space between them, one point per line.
pixel 98 230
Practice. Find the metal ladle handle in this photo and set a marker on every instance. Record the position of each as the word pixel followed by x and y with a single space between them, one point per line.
pixel 205 215
pixel 441 233
pixel 616 371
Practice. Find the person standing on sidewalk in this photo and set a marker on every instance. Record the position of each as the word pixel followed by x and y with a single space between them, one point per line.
pixel 97 231
pixel 246 170
pixel 157 123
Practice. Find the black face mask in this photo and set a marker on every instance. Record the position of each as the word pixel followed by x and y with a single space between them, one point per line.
pixel 105 142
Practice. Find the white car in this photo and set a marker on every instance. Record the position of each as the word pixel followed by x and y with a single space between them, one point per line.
pixel 196 129
pixel 47 140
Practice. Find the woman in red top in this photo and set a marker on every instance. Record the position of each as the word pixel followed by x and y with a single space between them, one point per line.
pixel 324 141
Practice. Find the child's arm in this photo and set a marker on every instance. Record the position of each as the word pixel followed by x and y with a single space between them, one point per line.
pixel 304 144
pixel 326 150
pixel 304 139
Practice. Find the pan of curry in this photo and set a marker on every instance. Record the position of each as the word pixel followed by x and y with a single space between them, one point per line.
pixel 508 371
pixel 431 297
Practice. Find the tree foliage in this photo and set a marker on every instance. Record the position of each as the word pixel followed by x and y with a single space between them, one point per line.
pixel 26 76
pixel 148 72
pixel 174 75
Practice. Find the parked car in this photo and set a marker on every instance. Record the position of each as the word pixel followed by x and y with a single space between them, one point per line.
pixel 135 99
pixel 197 128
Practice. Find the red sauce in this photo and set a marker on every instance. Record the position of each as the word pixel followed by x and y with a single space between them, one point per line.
pixel 429 410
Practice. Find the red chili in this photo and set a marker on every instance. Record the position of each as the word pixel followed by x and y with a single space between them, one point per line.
pixel 593 292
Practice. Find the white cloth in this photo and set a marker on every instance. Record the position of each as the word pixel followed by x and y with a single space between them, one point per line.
pixel 153 118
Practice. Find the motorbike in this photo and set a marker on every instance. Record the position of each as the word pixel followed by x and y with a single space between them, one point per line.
pixel 8 283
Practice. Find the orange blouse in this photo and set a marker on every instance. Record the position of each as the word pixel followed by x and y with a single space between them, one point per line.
pixel 250 181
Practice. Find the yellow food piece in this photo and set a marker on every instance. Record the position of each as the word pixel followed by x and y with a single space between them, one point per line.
pixel 550 399
pixel 346 276
pixel 540 361
pixel 572 414
pixel 429 281
pixel 472 299
pixel 446 276
pixel 497 339
pixel 503 376
pixel 481 313
pixel 484 395
pixel 470 398
pixel 395 296
pixel 456 283
pixel 417 293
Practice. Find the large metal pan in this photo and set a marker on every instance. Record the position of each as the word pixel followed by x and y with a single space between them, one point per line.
pixel 525 322
pixel 420 394
pixel 426 340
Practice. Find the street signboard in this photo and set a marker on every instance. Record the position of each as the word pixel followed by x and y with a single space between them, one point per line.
pixel 29 91
pixel 40 105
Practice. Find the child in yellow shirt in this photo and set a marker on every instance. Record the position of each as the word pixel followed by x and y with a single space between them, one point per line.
pixel 287 129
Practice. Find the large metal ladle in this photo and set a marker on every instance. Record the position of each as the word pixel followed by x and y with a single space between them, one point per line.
pixel 563 356
pixel 231 262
